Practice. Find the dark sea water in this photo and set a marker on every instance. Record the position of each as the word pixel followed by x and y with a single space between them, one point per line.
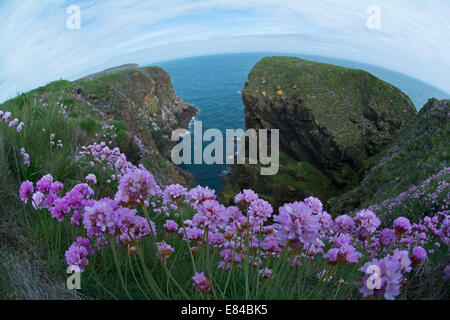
pixel 212 84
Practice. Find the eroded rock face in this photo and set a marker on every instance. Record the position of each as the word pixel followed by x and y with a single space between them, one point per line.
pixel 331 117
pixel 145 100
pixel 419 151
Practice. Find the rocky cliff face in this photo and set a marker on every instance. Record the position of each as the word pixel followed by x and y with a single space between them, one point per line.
pixel 145 100
pixel 419 151
pixel 331 119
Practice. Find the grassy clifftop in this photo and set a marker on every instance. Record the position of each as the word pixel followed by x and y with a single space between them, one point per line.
pixel 349 103
pixel 133 109
pixel 331 120
pixel 411 176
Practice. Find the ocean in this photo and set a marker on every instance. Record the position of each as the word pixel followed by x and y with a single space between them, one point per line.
pixel 212 84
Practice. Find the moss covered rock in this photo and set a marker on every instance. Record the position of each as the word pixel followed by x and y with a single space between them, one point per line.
pixel 139 102
pixel 329 117
pixel 414 162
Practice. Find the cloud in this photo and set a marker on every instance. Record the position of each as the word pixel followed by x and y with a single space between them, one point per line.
pixel 36 47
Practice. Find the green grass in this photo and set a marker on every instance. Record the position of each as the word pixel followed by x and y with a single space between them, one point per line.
pixel 22 226
pixel 419 151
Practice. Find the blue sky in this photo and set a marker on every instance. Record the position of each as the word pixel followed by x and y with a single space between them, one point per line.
pixel 36 46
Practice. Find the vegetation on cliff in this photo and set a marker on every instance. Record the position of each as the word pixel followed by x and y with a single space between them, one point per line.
pixel 134 110
pixel 410 177
pixel 331 118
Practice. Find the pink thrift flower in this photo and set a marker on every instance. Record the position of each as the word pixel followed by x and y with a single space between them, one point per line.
pixel 296 225
pixel 38 200
pixel 173 192
pixel 6 116
pixel 25 191
pixel 59 209
pixel 270 244
pixel 20 127
pixel 136 186
pixel 418 254
pixel 26 159
pixel 170 226
pixel 343 251
pixel 402 226
pixel 314 204
pixel 44 184
pixel 259 211
pixel 164 249
pixel 210 214
pixel 13 123
pixel 245 197
pixel 265 273
pixel 233 214
pixel 100 217
pixel 390 275
pixel 368 220
pixel 91 178
pixel 201 282
pixel 344 224
pixel 387 237
pixel 326 222
pixel 200 194
pixel 216 239
pixel 76 255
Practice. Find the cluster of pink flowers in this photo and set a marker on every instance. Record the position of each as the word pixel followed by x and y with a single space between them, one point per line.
pixel 164 249
pixel 201 282
pixel 420 192
pixel 46 196
pixel 136 187
pixel 388 275
pixel 173 192
pixel 102 218
pixel 5 117
pixel 109 132
pixel 142 149
pixel 171 226
pixel 52 141
pixel 101 153
pixel 62 109
pixel 91 178
pixel 297 225
pixel 343 251
pixel 243 232
pixel 76 255
pixel 25 156
pixel 200 194
pixel 106 217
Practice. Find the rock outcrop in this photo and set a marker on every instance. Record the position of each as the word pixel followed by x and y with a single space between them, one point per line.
pixel 145 100
pixel 329 117
pixel 419 151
